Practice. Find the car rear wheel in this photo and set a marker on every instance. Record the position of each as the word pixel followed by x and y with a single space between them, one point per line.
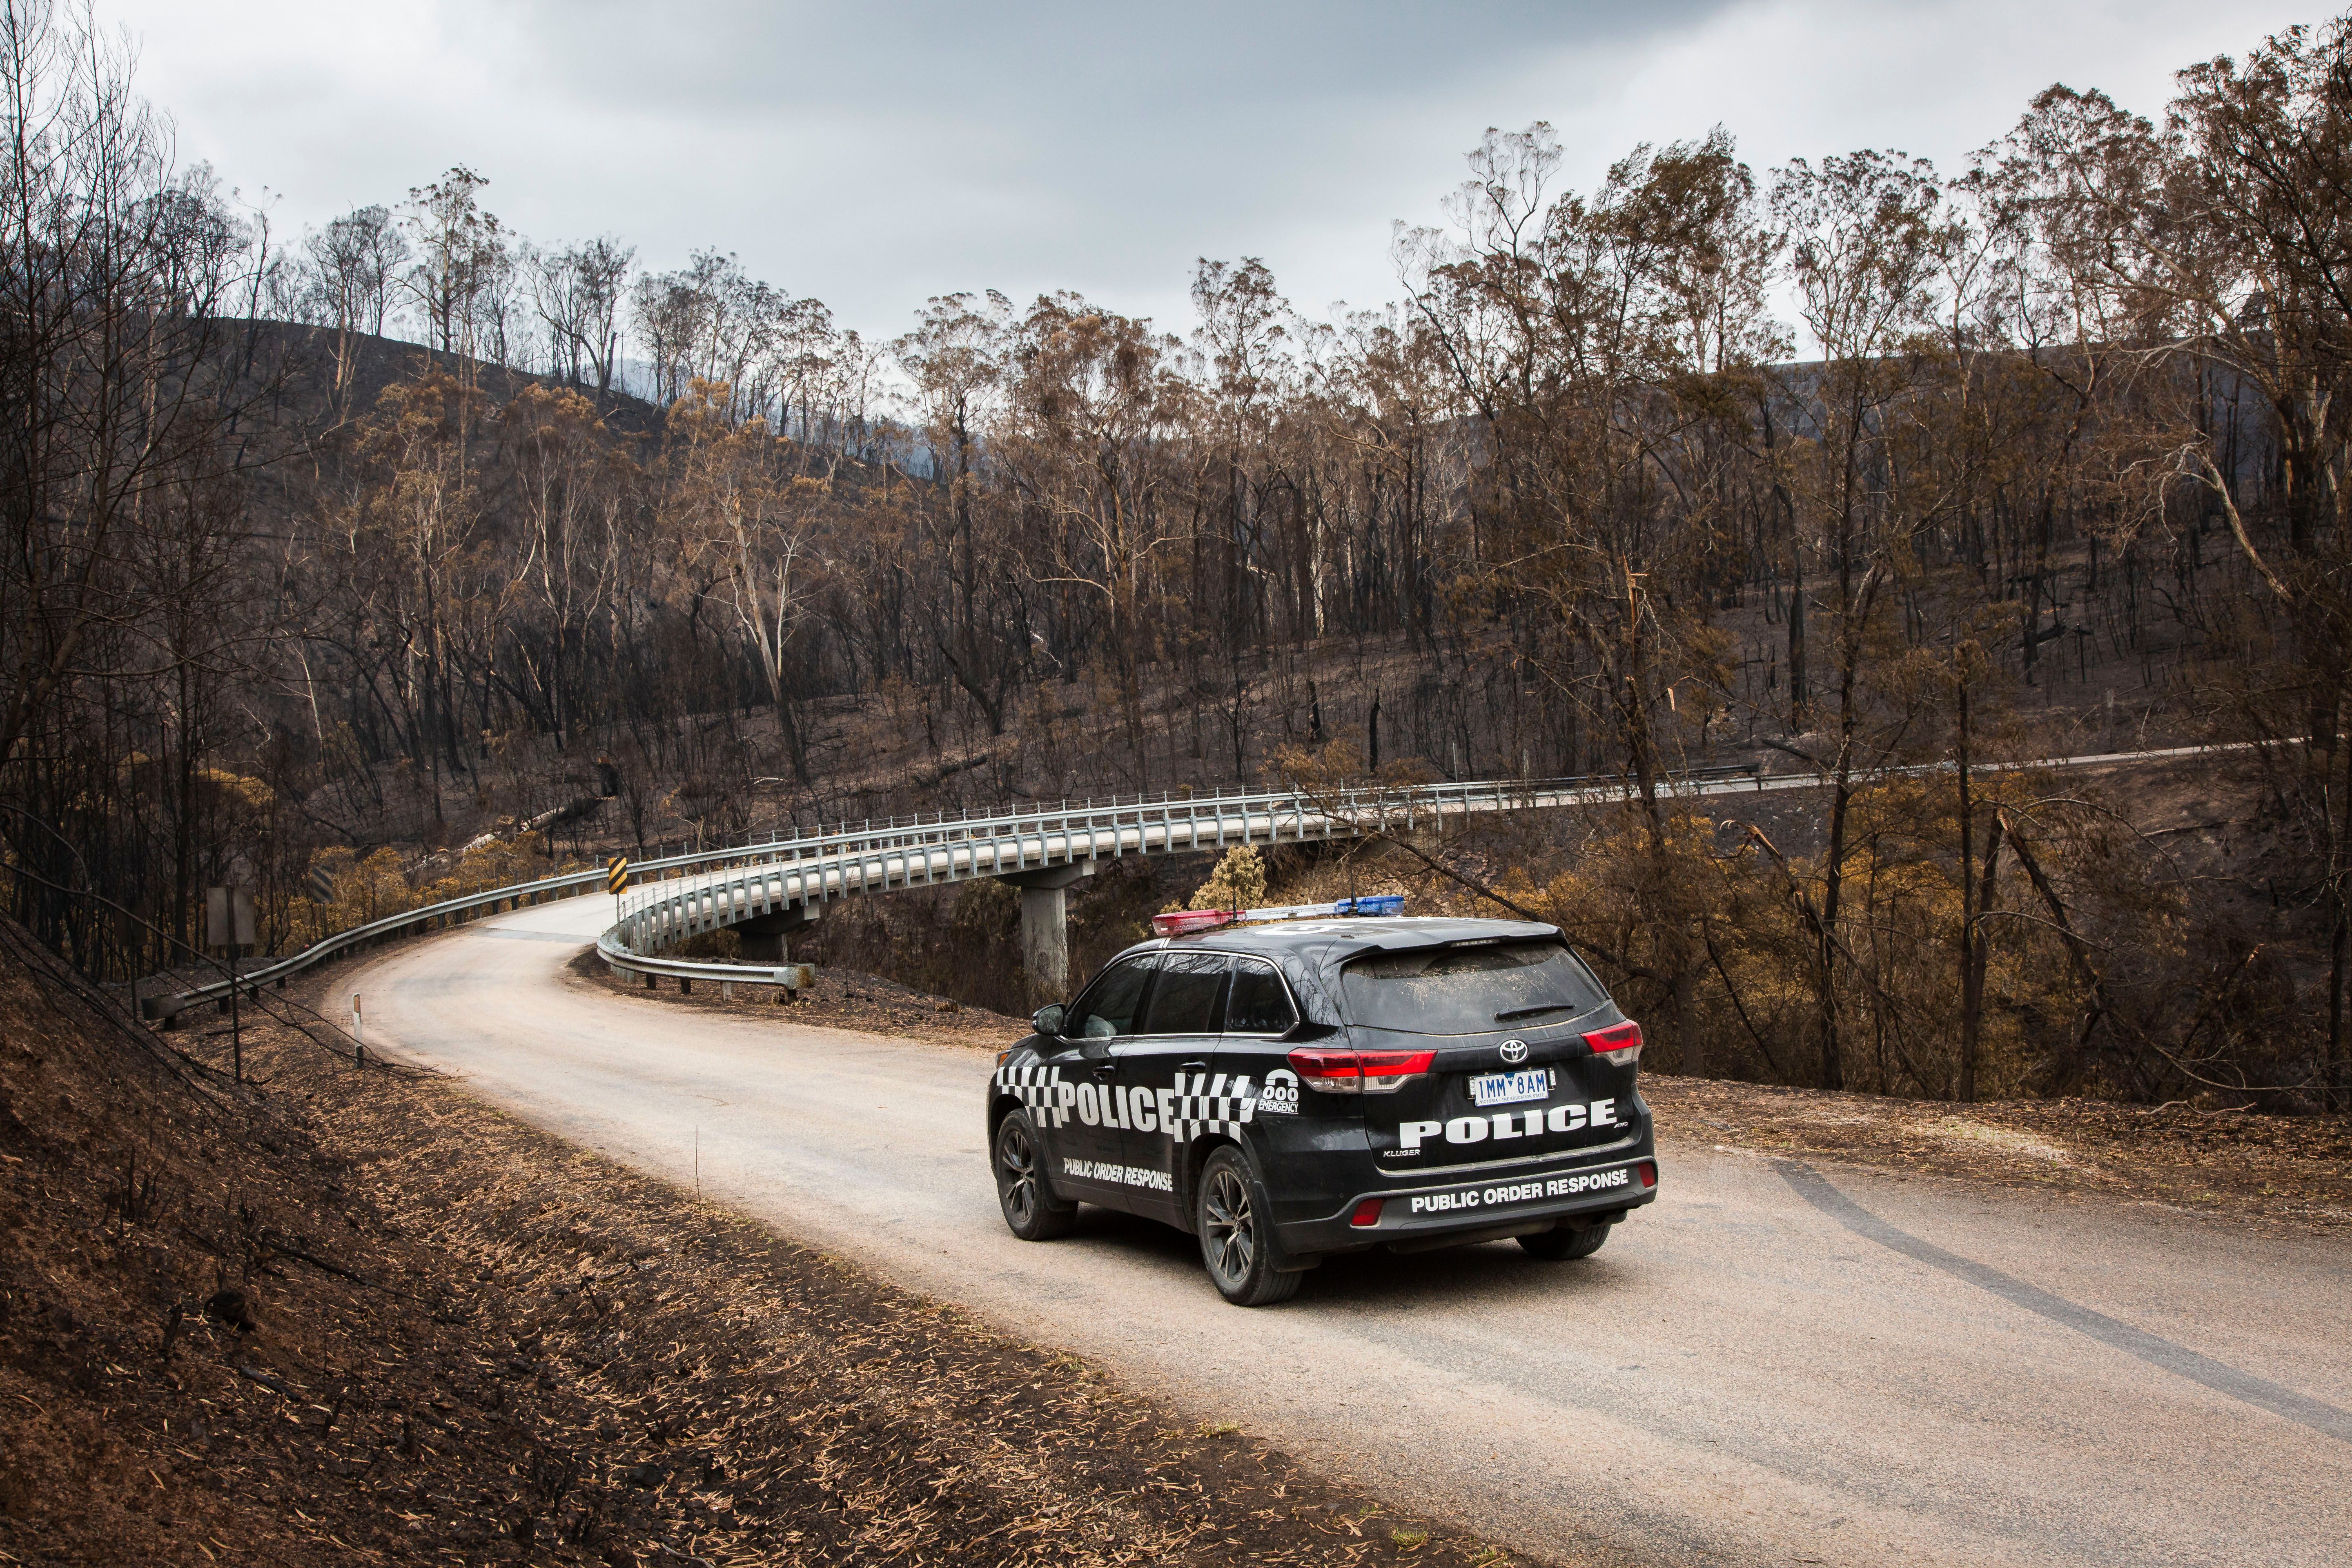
pixel 1234 1240
pixel 1031 1207
pixel 1564 1244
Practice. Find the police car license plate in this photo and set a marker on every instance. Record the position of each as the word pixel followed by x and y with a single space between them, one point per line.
pixel 1510 1088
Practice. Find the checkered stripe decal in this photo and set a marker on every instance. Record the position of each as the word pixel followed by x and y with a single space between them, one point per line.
pixel 1038 1088
pixel 1207 1104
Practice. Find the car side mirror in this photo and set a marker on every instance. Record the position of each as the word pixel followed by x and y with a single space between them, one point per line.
pixel 1048 1021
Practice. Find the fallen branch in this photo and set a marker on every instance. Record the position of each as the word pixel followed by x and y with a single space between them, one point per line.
pixel 2214 482
pixel 286 1248
pixel 277 1385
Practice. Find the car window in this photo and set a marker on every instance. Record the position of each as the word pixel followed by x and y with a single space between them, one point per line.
pixel 1470 990
pixel 1188 998
pixel 1110 1004
pixel 1259 1005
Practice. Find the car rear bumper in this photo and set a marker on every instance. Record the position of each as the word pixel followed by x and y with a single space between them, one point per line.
pixel 1441 1214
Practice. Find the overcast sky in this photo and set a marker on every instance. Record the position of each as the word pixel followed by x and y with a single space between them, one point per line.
pixel 875 155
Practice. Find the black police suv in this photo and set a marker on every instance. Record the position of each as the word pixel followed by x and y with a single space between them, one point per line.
pixel 1290 1091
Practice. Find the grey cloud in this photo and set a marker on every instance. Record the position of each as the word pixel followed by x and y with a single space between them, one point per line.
pixel 875 155
pixel 1064 144
pixel 741 55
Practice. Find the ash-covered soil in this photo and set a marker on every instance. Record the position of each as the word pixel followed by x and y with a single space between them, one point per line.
pixel 335 1315
pixel 2291 1170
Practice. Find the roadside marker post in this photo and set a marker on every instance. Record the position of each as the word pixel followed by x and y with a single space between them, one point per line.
pixel 359 1039
pixel 229 923
pixel 616 881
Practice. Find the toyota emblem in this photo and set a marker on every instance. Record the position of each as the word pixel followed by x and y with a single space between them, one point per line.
pixel 1515 1050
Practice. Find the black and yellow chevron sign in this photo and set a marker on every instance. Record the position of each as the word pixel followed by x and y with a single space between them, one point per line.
pixel 616 873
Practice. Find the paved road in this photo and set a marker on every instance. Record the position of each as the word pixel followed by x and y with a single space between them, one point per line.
pixel 1769 1365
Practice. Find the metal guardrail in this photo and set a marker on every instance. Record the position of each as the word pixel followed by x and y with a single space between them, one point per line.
pixel 930 850
pixel 823 866
pixel 408 922
pixel 784 976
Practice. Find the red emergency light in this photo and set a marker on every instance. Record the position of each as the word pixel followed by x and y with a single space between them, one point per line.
pixel 1179 922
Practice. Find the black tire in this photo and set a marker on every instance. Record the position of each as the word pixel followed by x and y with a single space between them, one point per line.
pixel 1563 1245
pixel 1228 1216
pixel 1033 1211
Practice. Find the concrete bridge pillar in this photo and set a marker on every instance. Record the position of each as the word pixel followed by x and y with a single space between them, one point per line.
pixel 1045 927
pixel 766 938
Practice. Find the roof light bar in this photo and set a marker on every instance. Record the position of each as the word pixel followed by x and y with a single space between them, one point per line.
pixel 1177 922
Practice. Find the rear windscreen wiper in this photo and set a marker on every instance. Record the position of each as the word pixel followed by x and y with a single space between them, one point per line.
pixel 1507 1013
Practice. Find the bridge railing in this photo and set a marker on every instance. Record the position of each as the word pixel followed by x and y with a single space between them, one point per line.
pixel 680 894
pixel 930 850
pixel 408 922
pixel 819 866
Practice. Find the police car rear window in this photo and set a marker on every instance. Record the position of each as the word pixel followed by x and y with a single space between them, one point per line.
pixel 1461 990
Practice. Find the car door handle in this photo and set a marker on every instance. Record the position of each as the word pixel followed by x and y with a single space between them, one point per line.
pixel 1195 1062
pixel 1103 1069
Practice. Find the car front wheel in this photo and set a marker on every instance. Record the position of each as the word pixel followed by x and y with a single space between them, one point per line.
pixel 1233 1237
pixel 1031 1208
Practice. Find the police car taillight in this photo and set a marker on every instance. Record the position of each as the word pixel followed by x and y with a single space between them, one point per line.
pixel 1358 1072
pixel 1619 1044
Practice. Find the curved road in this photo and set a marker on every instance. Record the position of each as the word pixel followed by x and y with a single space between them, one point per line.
pixel 1769 1365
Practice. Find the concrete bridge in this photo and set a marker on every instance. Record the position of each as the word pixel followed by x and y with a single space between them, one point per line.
pixel 772 892
pixel 773 897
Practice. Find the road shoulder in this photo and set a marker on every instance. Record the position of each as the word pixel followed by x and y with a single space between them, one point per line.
pixel 2291 1172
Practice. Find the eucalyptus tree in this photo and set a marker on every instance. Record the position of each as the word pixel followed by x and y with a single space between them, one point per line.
pixel 956 362
pixel 1865 234
pixel 1591 338
pixel 355 263
pixel 577 293
pixel 463 268
pixel 1095 399
pixel 123 464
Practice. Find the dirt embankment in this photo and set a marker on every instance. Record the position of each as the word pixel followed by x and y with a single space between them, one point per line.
pixel 2290 1170
pixel 351 1315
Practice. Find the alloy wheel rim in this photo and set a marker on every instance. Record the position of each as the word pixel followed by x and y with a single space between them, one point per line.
pixel 1231 1235
pixel 1021 1172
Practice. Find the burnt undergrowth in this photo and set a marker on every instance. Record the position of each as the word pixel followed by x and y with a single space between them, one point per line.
pixel 348 1314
